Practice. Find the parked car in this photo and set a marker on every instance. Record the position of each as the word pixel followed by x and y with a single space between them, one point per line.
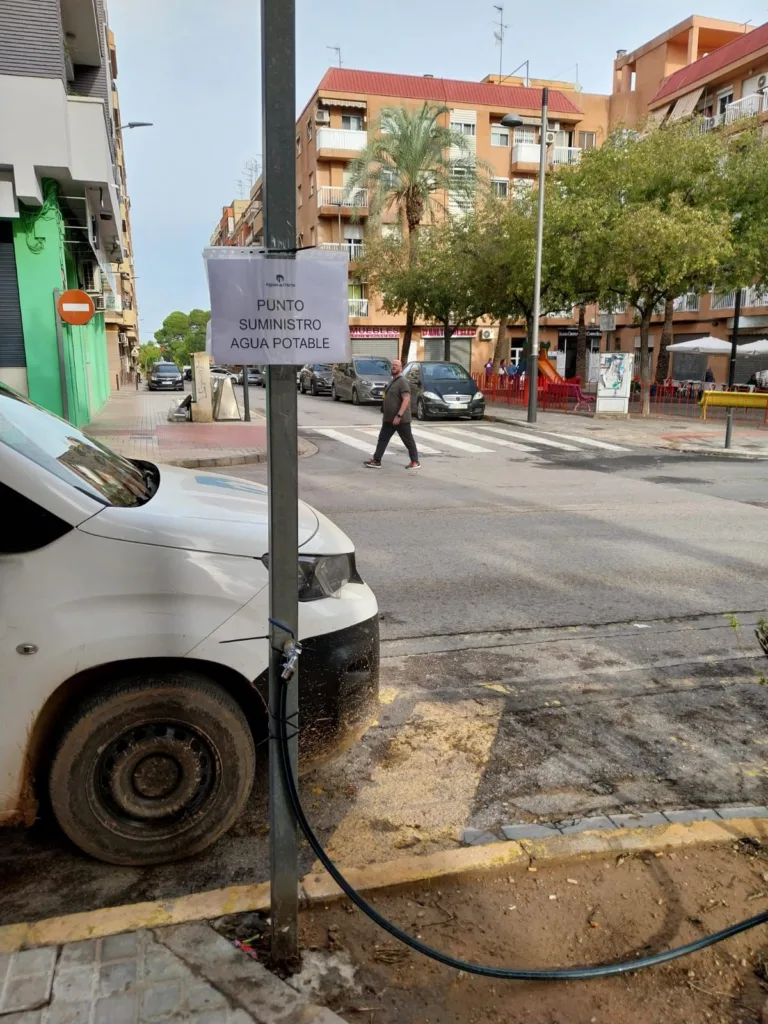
pixel 316 378
pixel 221 371
pixel 443 389
pixel 254 377
pixel 362 380
pixel 165 377
pixel 133 598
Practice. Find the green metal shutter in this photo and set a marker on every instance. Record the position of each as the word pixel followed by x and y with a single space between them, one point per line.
pixel 11 333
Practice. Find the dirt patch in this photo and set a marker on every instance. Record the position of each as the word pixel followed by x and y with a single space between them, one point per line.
pixel 590 912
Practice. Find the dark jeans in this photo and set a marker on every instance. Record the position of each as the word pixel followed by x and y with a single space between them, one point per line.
pixel 403 431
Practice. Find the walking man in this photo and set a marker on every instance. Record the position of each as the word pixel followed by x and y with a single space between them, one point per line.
pixel 396 411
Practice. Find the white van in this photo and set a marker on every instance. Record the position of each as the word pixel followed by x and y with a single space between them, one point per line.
pixel 133 616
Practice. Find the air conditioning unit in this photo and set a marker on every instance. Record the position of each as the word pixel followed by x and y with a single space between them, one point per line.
pixel 761 83
pixel 549 138
pixel 99 303
pixel 486 333
pixel 91 277
pixel 323 116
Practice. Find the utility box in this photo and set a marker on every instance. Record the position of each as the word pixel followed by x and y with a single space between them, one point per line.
pixel 202 391
pixel 614 383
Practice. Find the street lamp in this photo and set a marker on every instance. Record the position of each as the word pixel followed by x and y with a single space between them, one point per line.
pixel 513 121
pixel 136 124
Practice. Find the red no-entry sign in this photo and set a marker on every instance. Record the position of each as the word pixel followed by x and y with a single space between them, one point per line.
pixel 76 307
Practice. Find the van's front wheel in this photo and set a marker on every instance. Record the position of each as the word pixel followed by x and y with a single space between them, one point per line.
pixel 152 769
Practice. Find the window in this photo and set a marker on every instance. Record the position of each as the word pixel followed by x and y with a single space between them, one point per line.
pixel 298 145
pixel 500 188
pixel 388 178
pixel 463 127
pixel 587 140
pixel 617 344
pixel 309 130
pixel 525 135
pixel 723 99
pixel 499 135
pixel 66 453
pixel 311 183
pixel 352 122
pixel 298 195
pixel 28 526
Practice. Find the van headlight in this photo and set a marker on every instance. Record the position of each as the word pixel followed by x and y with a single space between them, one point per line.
pixel 322 576
pixel 478 396
pixel 432 396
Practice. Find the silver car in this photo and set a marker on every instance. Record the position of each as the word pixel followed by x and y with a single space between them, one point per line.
pixel 361 380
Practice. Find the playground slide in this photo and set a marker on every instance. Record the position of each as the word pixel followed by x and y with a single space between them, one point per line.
pixel 547 369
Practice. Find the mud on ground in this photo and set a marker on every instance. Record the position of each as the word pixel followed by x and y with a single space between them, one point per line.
pixel 581 913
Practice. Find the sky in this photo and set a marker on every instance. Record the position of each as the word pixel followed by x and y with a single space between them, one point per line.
pixel 192 67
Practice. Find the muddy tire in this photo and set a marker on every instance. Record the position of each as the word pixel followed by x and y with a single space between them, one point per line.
pixel 152 769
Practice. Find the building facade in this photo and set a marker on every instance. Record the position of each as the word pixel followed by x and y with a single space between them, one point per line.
pixel 64 213
pixel 704 66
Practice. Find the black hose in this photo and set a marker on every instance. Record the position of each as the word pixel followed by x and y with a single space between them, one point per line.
pixel 507 973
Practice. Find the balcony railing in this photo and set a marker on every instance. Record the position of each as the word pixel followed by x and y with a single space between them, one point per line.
pixel 526 153
pixel 352 248
pixel 688 303
pixel 562 155
pixel 750 297
pixel 358 307
pixel 748 106
pixel 333 195
pixel 341 138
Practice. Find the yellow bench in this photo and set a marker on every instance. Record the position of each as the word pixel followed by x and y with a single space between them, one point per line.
pixel 735 400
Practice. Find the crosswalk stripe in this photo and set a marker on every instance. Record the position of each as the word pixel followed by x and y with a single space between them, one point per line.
pixel 531 437
pixel 465 446
pixel 353 442
pixel 491 440
pixel 423 448
pixel 590 442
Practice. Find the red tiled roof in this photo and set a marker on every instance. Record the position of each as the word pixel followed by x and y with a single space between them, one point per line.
pixel 715 61
pixel 444 90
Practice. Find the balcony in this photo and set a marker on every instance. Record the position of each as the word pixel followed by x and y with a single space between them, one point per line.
pixel 750 298
pixel 526 153
pixel 688 303
pixel 352 247
pixel 565 155
pixel 358 307
pixel 340 140
pixel 332 195
pixel 747 106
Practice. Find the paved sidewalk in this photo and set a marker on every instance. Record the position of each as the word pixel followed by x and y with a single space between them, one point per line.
pixel 673 432
pixel 135 424
pixel 188 973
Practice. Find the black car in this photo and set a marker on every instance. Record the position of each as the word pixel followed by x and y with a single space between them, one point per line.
pixel 165 377
pixel 316 379
pixel 443 389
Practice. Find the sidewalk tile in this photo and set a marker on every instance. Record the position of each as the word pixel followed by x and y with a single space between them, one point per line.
pixel 743 812
pixel 569 827
pixel 528 831
pixel 696 814
pixel 643 820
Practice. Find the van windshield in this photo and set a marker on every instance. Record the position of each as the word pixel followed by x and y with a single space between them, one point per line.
pixel 66 452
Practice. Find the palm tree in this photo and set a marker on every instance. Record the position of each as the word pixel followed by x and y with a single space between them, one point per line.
pixel 414 165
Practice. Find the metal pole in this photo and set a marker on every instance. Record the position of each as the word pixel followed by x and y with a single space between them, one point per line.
pixel 62 355
pixel 246 395
pixel 533 370
pixel 278 63
pixel 732 367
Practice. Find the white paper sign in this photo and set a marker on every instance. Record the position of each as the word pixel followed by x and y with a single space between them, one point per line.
pixel 273 310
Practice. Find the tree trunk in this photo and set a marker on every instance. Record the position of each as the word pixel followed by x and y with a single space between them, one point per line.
pixel 645 359
pixel 501 343
pixel 582 370
pixel 447 335
pixel 667 335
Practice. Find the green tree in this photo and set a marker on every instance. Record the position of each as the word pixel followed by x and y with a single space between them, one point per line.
pixel 412 166
pixel 149 354
pixel 182 334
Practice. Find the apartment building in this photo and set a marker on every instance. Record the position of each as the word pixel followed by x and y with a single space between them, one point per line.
pixel 121 315
pixel 63 203
pixel 716 71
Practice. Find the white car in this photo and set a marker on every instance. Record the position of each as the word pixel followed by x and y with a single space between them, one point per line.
pixel 133 617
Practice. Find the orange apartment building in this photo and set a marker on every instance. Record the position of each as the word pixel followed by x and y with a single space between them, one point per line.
pixel 701 66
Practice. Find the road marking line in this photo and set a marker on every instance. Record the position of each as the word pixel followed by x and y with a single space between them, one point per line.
pixel 353 442
pixel 529 436
pixel 592 444
pixel 491 440
pixel 465 446
pixel 423 448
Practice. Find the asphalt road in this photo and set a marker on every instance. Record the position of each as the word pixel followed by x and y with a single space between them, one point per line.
pixel 558 636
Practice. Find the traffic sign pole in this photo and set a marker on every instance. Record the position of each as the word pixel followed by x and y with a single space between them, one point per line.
pixel 278 63
pixel 62 355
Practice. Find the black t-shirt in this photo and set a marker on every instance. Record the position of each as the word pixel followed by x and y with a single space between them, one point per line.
pixel 394 393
